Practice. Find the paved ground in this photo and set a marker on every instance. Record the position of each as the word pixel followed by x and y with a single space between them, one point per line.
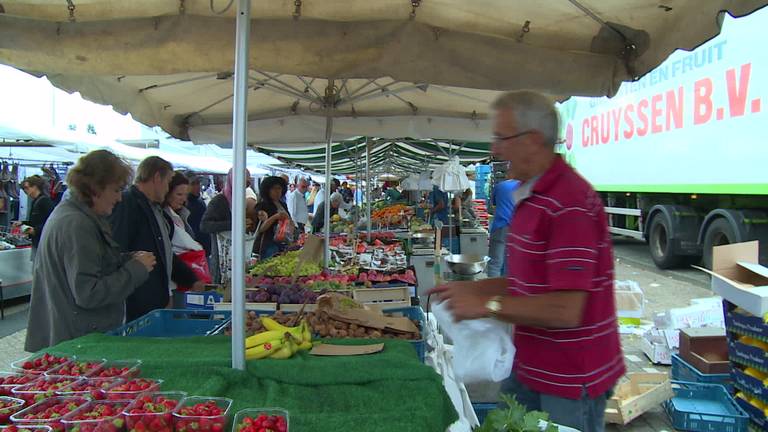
pixel 663 289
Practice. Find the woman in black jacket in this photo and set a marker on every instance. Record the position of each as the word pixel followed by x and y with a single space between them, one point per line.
pixel 40 208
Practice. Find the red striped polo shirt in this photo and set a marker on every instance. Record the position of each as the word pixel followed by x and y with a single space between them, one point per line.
pixel 559 241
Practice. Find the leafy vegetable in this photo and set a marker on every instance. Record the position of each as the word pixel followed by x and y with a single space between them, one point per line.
pixel 515 419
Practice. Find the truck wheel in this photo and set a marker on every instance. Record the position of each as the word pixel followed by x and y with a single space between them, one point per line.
pixel 720 232
pixel 660 244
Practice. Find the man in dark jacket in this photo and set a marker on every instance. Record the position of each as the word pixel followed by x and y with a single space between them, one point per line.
pixel 140 224
pixel 196 207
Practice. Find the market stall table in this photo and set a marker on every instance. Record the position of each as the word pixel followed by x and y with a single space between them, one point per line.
pixel 388 391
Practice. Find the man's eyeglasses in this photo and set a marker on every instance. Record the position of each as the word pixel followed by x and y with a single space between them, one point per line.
pixel 517 135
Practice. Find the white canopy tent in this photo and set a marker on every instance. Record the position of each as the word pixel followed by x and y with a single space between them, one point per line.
pixel 393 48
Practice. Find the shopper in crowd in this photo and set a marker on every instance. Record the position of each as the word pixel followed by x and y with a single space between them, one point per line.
pixel 438 201
pixel 297 205
pixel 183 242
pixel 273 234
pixel 463 207
pixel 559 289
pixel 311 196
pixel 346 192
pixel 40 208
pixel 196 206
pixel 318 220
pixel 81 278
pixel 218 219
pixel 503 207
pixel 140 223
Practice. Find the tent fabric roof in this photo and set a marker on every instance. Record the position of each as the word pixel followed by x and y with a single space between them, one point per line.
pixel 404 155
pixel 167 62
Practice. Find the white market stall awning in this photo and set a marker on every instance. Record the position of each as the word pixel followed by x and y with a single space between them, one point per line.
pixel 423 69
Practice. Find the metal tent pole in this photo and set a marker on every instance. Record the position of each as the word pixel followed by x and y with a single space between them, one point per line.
pixel 329 103
pixel 239 140
pixel 368 185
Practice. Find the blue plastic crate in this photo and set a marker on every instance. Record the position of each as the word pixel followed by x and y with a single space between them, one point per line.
pixel 202 300
pixel 172 323
pixel 482 410
pixel 704 408
pixel 684 371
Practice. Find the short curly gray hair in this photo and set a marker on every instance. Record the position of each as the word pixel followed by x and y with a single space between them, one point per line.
pixel 532 111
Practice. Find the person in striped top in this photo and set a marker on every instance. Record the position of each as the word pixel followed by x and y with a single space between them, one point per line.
pixel 559 286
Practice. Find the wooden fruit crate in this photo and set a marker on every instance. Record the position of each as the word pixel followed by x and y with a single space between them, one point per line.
pixel 641 393
pixel 385 298
pixel 296 307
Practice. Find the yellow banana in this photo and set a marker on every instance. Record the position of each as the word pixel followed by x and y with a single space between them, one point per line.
pixel 260 338
pixel 284 352
pixel 271 324
pixel 305 332
pixel 264 350
pixel 305 346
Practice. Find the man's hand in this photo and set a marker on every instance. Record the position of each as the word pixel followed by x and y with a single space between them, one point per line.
pixel 465 300
pixel 198 286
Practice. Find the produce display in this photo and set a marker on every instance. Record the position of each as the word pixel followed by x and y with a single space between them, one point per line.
pixel 41 389
pixel 372 276
pixel 200 414
pixel 390 215
pixel 291 294
pixel 132 388
pixel 97 416
pixel 49 412
pixel 8 407
pixel 262 422
pixel 516 419
pixel 76 368
pixel 284 265
pixel 277 341
pixel 9 381
pixel 153 412
pixel 40 364
pixel 92 388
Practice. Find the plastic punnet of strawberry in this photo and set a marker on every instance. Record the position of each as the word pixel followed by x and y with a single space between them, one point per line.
pixel 132 388
pixel 78 368
pixel 49 412
pixel 43 388
pixel 8 407
pixel 153 412
pixel 40 363
pixel 11 380
pixel 92 388
pixel 119 368
pixel 97 416
pixel 261 419
pixel 202 414
pixel 31 428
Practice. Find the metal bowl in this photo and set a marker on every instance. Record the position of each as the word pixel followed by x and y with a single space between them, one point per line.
pixel 466 264
pixel 426 239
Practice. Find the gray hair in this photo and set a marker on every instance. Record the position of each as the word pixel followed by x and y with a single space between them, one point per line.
pixel 532 111
pixel 336 198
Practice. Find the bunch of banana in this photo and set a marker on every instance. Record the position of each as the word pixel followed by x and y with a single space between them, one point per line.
pixel 278 341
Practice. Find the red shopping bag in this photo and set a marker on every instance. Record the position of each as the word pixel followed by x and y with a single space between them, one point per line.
pixel 197 261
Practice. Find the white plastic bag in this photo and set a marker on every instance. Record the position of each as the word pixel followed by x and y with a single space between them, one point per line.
pixel 482 348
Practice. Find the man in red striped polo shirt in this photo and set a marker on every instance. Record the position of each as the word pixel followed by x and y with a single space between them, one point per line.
pixel 559 286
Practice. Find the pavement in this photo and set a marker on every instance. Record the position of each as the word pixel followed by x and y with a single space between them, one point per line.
pixel 663 289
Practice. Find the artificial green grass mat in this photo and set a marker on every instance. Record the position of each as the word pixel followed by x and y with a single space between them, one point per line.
pixel 388 391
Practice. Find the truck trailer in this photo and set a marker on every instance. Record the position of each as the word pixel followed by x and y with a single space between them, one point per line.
pixel 680 156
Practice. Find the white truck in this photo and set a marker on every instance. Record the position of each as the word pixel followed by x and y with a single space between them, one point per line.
pixel 681 156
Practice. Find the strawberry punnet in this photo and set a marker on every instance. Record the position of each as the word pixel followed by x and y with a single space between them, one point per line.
pixel 43 388
pixel 9 381
pixel 8 407
pixel 98 416
pixel 263 422
pixel 41 364
pixel 205 416
pixel 48 412
pixel 131 389
pixel 152 413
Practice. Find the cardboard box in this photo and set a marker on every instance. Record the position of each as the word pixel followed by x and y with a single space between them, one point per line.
pixel 738 277
pixel 703 314
pixel 747 355
pixel 654 345
pixel 748 384
pixel 706 349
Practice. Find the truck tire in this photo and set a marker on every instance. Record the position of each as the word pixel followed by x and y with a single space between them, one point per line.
pixel 720 232
pixel 660 244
